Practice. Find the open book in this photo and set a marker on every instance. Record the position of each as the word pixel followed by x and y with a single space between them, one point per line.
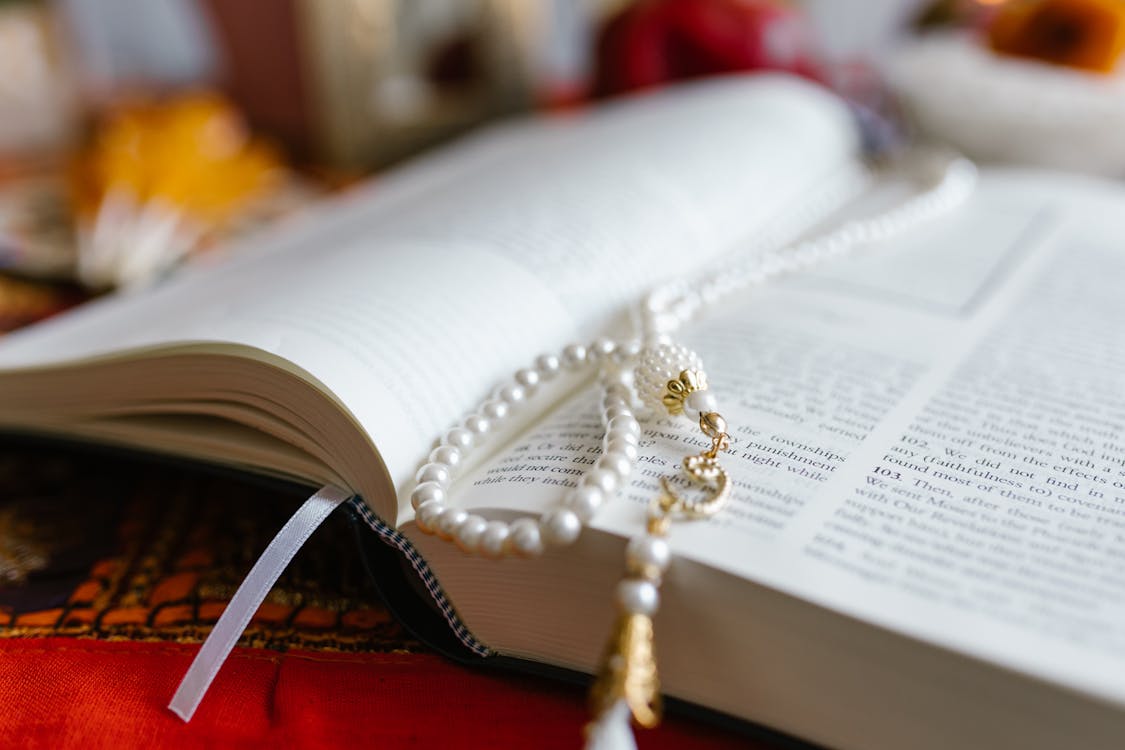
pixel 926 547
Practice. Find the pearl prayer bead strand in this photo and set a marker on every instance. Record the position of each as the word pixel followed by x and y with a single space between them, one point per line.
pixel 664 375
pixel 664 311
pixel 561 526
pixel 670 307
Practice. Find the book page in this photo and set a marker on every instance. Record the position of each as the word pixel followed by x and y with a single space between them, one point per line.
pixel 929 437
pixel 410 300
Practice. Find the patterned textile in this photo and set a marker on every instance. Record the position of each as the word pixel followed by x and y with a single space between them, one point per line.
pixel 117 549
pixel 112 569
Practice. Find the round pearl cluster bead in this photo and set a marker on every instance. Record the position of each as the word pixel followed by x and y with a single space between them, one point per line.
pixel 658 364
pixel 526 536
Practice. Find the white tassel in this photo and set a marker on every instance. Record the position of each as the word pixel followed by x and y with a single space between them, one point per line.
pixel 611 730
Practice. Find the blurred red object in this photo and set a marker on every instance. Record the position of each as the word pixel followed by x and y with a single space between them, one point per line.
pixel 656 41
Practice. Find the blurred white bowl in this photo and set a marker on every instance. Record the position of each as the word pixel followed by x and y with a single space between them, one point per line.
pixel 1006 109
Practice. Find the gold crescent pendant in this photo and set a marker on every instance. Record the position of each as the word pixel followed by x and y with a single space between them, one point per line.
pixel 703 470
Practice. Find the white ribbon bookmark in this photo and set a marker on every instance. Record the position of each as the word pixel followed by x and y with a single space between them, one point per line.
pixel 249 597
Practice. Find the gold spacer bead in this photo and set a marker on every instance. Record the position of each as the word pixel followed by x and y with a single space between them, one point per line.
pixel 658 525
pixel 712 424
pixel 680 387
pixel 647 571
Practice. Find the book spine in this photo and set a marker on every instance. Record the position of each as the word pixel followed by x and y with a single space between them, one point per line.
pixel 400 543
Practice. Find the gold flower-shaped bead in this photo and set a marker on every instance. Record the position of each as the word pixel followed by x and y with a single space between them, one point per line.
pixel 678 389
pixel 702 468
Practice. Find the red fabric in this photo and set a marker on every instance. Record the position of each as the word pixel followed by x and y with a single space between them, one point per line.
pixel 63 692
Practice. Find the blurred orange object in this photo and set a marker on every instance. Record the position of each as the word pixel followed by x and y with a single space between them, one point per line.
pixel 1087 34
pixel 160 178
pixel 194 152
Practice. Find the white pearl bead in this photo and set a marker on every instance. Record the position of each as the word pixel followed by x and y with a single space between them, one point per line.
pixel 624 424
pixel 613 402
pixel 513 393
pixel 622 437
pixel 548 366
pixel 600 349
pixel 604 479
pixel 493 537
pixel 622 448
pixel 495 409
pixel 638 596
pixel 527 378
pixel 662 322
pixel 426 492
pixel 574 356
pixel 614 378
pixel 617 411
pixel 619 390
pixel 438 473
pixel 469 533
pixel 446 454
pixel 647 556
pixel 560 527
pixel 616 463
pixel 616 398
pixel 428 515
pixel 585 501
pixel 477 424
pixel 449 522
pixel 459 438
pixel 524 538
pixel 626 351
pixel 700 402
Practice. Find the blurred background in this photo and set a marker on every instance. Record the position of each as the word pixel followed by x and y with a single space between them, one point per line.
pixel 137 136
